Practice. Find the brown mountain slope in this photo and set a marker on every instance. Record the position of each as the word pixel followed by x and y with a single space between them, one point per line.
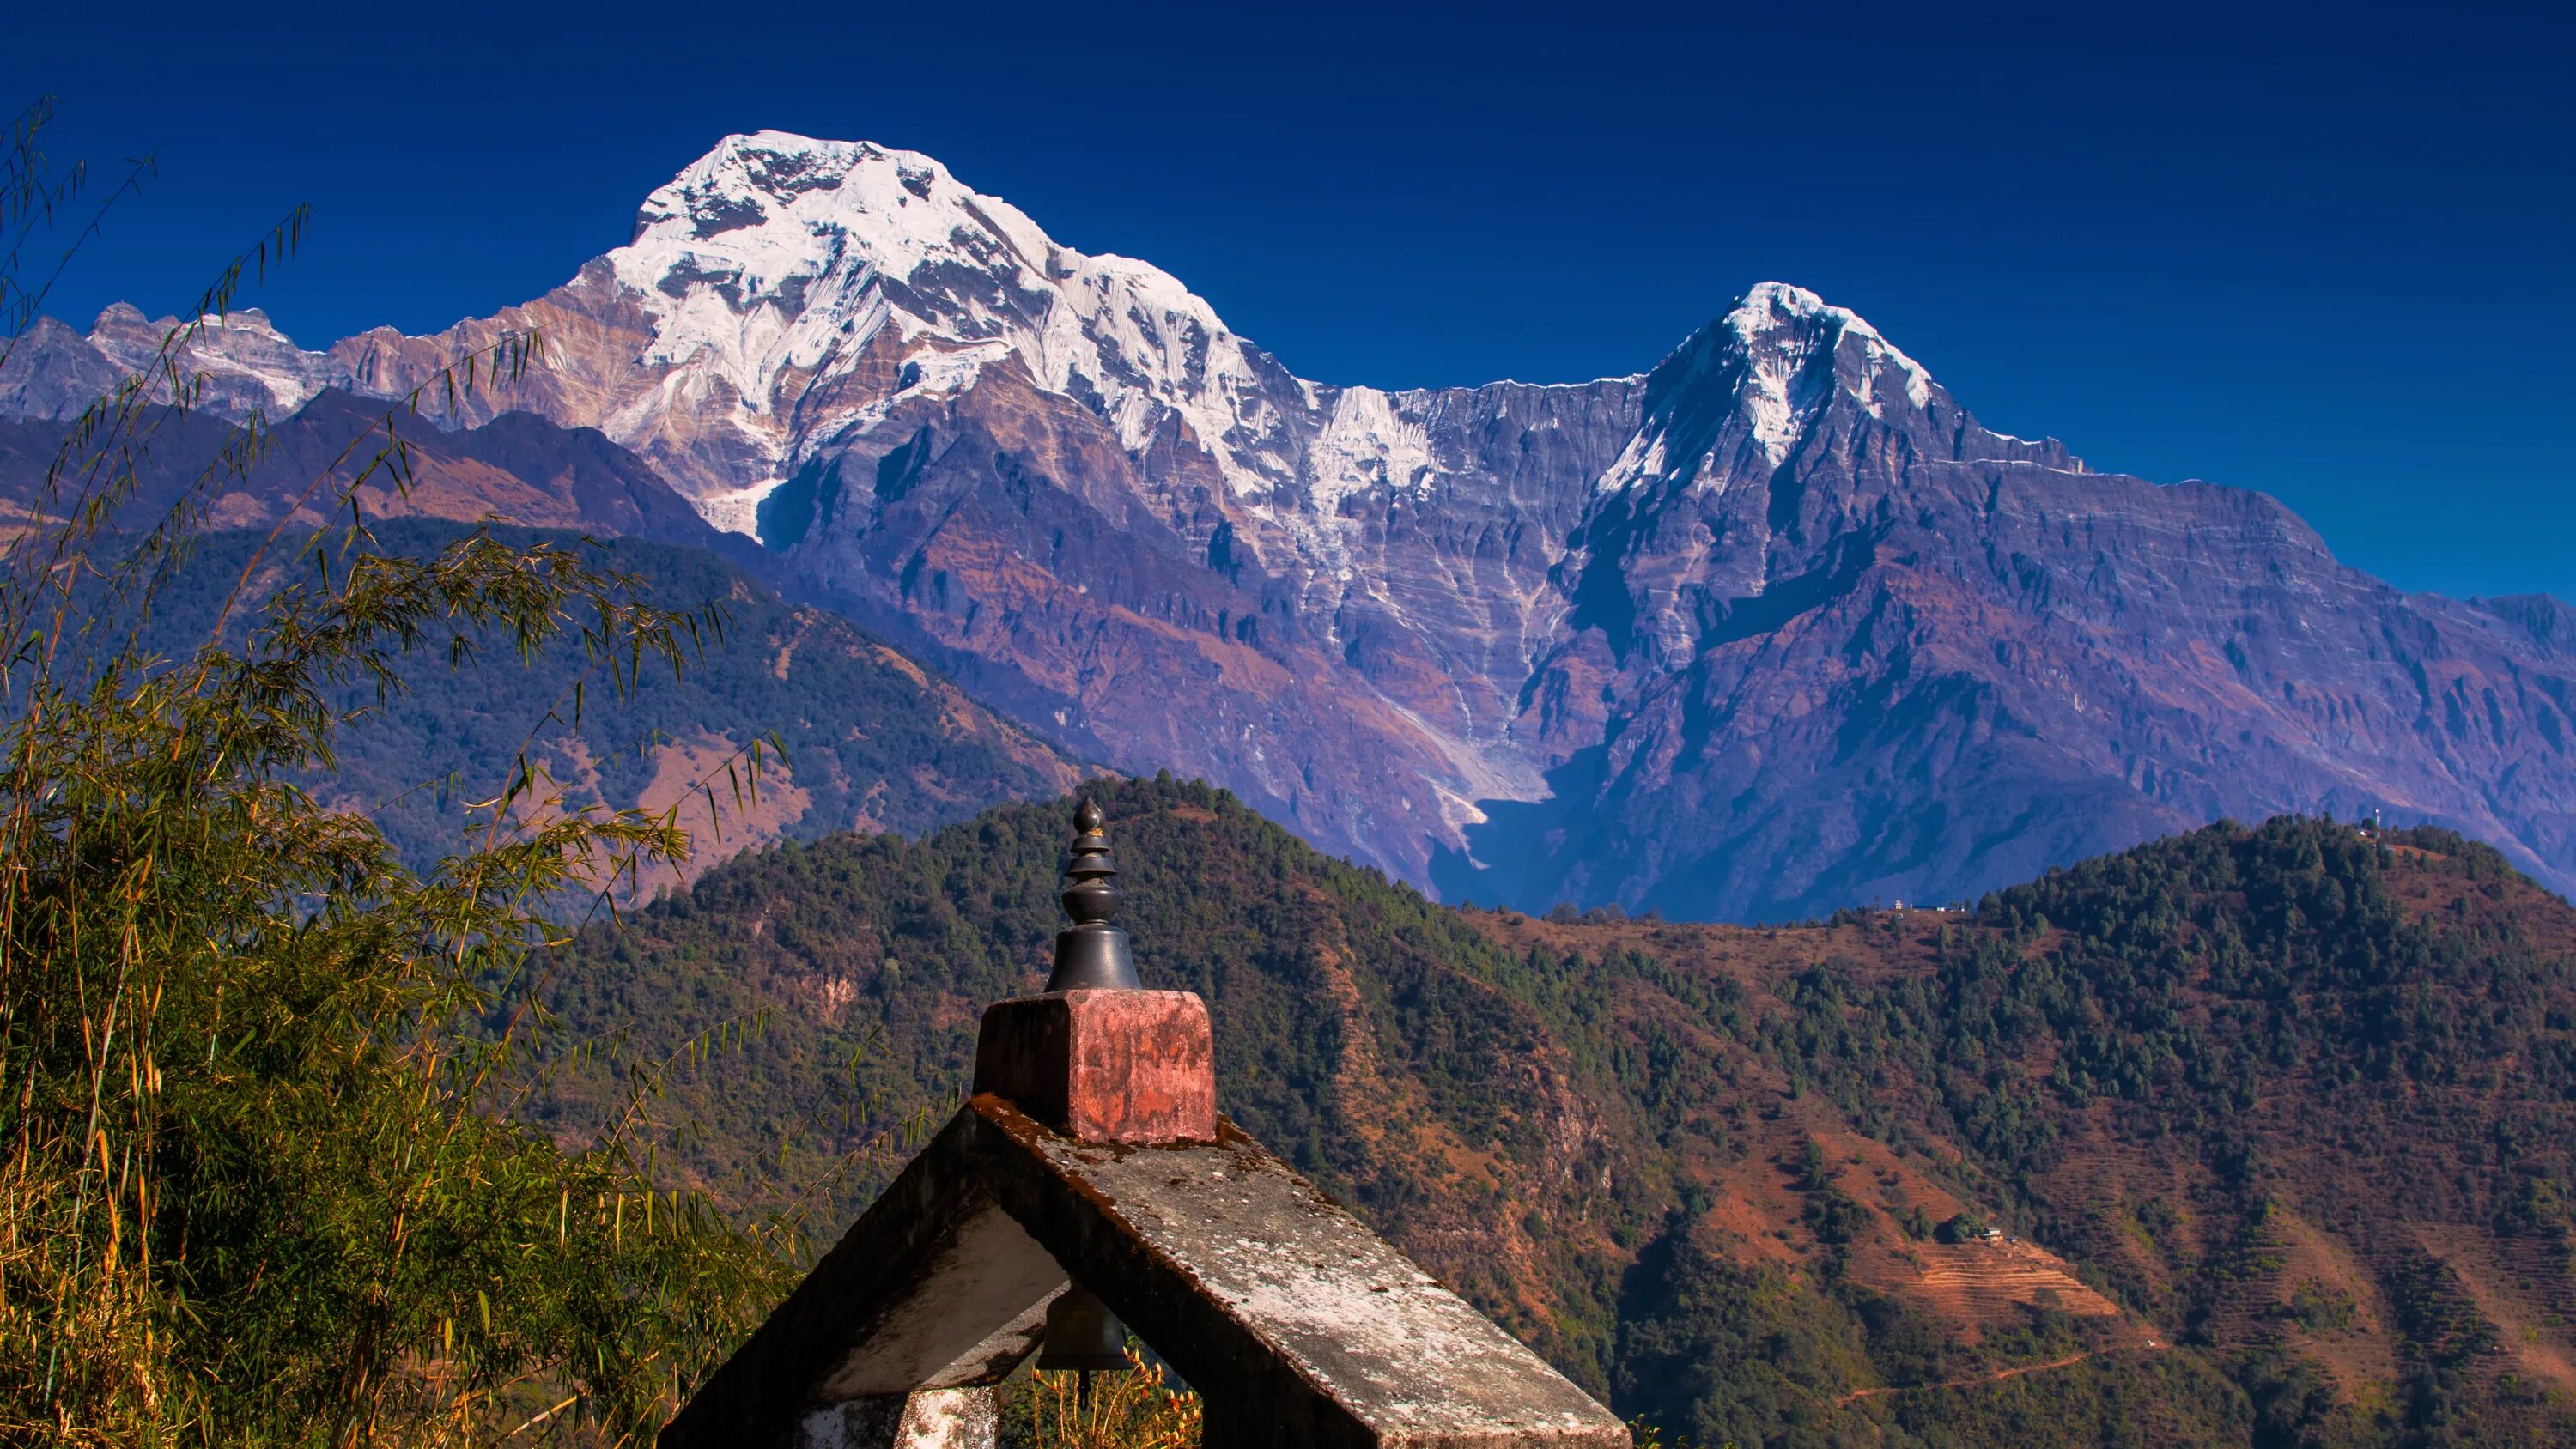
pixel 517 467
pixel 2274 1126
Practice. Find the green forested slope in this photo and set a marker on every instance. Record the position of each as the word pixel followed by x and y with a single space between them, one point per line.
pixel 2274 1123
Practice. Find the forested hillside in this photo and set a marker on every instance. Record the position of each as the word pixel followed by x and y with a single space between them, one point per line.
pixel 2273 1125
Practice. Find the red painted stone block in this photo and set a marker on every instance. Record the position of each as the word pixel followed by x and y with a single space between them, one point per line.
pixel 1104 1066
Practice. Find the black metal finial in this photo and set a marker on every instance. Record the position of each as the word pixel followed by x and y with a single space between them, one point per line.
pixel 1092 954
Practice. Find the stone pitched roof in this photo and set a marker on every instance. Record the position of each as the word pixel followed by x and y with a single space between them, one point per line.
pixel 1297 1324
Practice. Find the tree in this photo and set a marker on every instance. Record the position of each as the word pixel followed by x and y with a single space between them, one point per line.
pixel 257 1079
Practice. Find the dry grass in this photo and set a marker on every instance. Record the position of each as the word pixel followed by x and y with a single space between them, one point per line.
pixel 1138 1410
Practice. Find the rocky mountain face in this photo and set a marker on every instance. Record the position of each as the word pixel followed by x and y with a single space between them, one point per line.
pixel 1772 628
pixel 852 733
pixel 517 468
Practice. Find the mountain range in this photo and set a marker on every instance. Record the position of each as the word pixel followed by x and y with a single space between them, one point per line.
pixel 1769 628
pixel 851 732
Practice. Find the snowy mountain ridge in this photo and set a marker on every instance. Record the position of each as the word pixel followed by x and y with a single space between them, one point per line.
pixel 777 264
pixel 776 258
pixel 789 310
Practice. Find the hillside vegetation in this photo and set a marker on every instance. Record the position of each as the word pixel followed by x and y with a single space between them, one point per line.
pixel 2273 1125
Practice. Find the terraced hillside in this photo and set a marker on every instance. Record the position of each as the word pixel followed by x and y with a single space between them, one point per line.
pixel 2273 1125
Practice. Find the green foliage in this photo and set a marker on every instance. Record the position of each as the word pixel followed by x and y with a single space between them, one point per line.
pixel 2219 999
pixel 2127 1401
pixel 257 1076
pixel 2297 1405
pixel 1835 1217
pixel 2319 1310
pixel 1726 1352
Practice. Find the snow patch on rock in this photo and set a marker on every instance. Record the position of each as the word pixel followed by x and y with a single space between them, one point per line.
pixel 235 348
pixel 1788 323
pixel 739 510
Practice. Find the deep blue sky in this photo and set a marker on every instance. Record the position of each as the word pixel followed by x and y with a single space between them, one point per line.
pixel 2322 253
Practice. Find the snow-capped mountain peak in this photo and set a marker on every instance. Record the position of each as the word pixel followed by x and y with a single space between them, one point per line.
pixel 248 363
pixel 772 207
pixel 1763 374
pixel 784 298
pixel 1776 318
pixel 776 259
